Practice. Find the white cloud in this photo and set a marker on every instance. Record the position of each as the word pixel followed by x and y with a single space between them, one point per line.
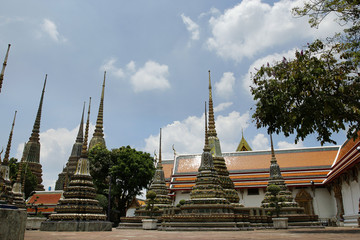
pixel 150 77
pixel 286 145
pixel 56 145
pixel 110 67
pixel 188 135
pixel 260 142
pixel 192 27
pixel 271 59
pixel 225 88
pixel 222 106
pixel 252 26
pixel 50 29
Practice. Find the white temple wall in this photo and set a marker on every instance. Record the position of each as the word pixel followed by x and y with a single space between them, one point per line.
pixel 180 195
pixel 324 203
pixel 252 200
pixel 351 196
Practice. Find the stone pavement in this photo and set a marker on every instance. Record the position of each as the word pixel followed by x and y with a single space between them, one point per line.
pixel 329 233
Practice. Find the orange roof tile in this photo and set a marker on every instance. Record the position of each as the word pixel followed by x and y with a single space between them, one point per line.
pixel 46 198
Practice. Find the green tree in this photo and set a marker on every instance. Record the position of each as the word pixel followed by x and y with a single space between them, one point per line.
pixel 317 91
pixel 276 201
pixel 30 180
pixel 131 171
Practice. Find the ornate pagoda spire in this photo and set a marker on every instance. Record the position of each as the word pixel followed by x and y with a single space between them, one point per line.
pixel 3 68
pixel 207 184
pixel 98 136
pixel 79 204
pixel 212 130
pixel 31 152
pixel 219 161
pixel 5 170
pixel 158 184
pixel 277 179
pixel 8 147
pixel 18 195
pixel 70 168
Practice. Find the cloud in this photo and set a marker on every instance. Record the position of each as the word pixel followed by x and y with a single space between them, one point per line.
pixel 150 77
pixel 188 135
pixel 222 106
pixel 110 67
pixel 252 26
pixel 192 27
pixel 260 142
pixel 271 59
pixel 287 145
pixel 225 88
pixel 56 145
pixel 50 29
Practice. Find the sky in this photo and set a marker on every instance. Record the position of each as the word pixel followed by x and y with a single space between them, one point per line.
pixel 157 55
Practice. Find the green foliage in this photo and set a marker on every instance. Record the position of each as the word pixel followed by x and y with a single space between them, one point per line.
pixel 130 170
pixel 150 198
pixel 317 91
pixel 182 201
pixel 103 201
pixel 30 180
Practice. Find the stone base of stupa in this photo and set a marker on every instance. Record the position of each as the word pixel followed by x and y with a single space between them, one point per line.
pixel 76 226
pixel 13 222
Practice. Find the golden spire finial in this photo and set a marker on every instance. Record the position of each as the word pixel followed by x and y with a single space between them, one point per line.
pixel 36 128
pixel 2 150
pixel 4 65
pixel 212 130
pixel 7 151
pixel 160 148
pixel 100 117
pixel 84 147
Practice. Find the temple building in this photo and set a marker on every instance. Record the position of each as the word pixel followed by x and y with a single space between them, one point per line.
pixel 31 153
pixel 98 137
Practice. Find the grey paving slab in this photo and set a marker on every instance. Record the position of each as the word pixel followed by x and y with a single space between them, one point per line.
pixel 125 234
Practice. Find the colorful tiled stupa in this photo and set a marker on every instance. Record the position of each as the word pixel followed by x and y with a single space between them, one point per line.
pixel 290 208
pixel 6 194
pixel 219 161
pixel 31 154
pixel 208 208
pixel 70 168
pixel 79 210
pixel 98 137
pixel 158 185
pixel 162 201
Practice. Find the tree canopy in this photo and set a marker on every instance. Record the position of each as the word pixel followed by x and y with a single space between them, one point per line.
pixel 131 171
pixel 318 90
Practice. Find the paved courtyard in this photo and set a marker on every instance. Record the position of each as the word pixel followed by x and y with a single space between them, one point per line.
pixel 121 234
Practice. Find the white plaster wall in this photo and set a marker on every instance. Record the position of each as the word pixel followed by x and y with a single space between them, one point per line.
pixel 324 203
pixel 179 196
pixel 252 200
pixel 351 196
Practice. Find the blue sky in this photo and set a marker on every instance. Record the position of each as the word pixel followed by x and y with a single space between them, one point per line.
pixel 157 55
